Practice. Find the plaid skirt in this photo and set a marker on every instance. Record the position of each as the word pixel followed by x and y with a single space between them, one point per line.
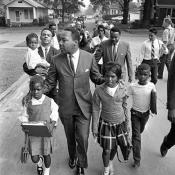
pixel 108 134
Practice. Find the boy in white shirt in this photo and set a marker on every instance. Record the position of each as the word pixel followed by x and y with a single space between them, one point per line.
pixel 141 100
pixel 32 57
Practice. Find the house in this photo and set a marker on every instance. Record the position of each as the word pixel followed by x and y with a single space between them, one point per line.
pixel 24 11
pixel 113 9
pixel 164 8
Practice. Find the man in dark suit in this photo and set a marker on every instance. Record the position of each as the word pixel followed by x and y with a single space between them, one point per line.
pixel 169 140
pixel 46 51
pixel 115 50
pixel 73 68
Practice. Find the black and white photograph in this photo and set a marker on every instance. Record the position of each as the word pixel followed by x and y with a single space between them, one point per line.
pixel 87 87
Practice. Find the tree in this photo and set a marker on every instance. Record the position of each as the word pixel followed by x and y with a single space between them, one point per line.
pixel 68 6
pixel 148 11
pixel 123 5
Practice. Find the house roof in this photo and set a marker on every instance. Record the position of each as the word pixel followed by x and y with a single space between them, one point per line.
pixel 166 2
pixel 31 2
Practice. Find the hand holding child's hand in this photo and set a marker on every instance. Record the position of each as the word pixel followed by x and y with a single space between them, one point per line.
pixel 50 126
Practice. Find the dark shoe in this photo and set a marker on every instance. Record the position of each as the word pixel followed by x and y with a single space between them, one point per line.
pixel 80 171
pixel 163 150
pixel 40 170
pixel 136 164
pixel 72 163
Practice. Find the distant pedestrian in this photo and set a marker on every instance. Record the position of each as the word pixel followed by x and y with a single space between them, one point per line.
pixel 96 41
pixel 32 57
pixel 83 43
pixel 169 139
pixel 168 38
pixel 40 108
pixel 141 96
pixel 151 50
pixel 54 42
pixel 109 114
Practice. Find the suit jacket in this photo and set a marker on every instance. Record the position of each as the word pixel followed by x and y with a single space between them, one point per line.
pixel 171 86
pixel 123 55
pixel 52 52
pixel 72 85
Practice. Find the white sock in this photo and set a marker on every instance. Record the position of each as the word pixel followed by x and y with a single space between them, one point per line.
pixel 106 169
pixel 40 162
pixel 46 171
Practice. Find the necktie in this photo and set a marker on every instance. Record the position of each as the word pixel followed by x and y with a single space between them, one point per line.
pixel 152 50
pixel 114 50
pixel 71 63
pixel 46 49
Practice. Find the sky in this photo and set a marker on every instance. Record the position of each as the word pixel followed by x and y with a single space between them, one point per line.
pixel 86 2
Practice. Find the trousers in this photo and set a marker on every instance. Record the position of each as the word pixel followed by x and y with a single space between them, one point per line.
pixel 164 60
pixel 77 133
pixel 138 122
pixel 169 140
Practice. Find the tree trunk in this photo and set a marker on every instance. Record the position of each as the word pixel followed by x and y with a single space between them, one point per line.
pixel 63 10
pixel 147 11
pixel 125 11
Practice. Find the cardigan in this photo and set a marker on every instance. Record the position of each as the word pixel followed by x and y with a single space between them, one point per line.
pixel 109 108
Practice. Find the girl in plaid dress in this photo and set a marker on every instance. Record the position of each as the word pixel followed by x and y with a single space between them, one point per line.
pixel 40 108
pixel 109 113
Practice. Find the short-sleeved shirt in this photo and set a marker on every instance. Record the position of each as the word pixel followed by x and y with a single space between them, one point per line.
pixel 169 35
pixel 141 95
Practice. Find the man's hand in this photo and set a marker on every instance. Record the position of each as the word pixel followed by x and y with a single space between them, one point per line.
pixel 41 70
pixel 171 115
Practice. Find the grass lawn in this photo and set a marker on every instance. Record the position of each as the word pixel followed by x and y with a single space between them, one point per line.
pixel 11 66
pixel 23 44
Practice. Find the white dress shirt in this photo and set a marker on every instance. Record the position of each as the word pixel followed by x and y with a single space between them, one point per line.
pixel 55 43
pixel 43 49
pixel 147 46
pixel 75 59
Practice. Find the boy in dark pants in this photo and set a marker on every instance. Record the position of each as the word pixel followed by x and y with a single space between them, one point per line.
pixel 141 96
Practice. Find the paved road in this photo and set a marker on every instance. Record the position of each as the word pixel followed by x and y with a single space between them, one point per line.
pixel 11 136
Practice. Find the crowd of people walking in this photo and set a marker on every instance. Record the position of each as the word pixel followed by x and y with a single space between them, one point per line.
pixel 60 69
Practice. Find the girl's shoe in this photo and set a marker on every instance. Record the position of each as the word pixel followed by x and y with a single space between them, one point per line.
pixel 106 171
pixel 111 168
pixel 40 166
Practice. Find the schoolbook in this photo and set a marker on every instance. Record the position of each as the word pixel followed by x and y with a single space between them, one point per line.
pixel 37 129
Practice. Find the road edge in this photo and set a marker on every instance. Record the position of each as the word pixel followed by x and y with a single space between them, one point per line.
pixel 13 87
